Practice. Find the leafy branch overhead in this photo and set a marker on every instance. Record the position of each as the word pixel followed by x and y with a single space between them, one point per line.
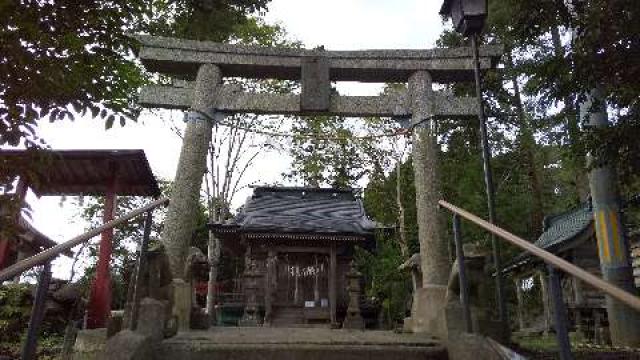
pixel 65 59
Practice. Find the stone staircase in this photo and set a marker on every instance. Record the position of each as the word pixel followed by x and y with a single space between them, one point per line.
pixel 299 317
pixel 262 343
pixel 298 344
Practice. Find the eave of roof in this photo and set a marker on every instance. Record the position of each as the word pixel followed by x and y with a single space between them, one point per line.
pixel 563 231
pixel 37 240
pixel 87 172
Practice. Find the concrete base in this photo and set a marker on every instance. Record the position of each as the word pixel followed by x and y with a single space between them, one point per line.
pixel 152 318
pixel 129 345
pixel 354 322
pixel 89 344
pixel 182 293
pixel 624 325
pixel 454 315
pixel 428 311
pixel 474 347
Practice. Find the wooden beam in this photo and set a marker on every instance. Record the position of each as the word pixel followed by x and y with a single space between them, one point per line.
pixel 182 58
pixel 333 295
pixel 232 99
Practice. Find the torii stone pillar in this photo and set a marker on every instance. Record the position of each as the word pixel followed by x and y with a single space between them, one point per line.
pixel 180 221
pixel 434 260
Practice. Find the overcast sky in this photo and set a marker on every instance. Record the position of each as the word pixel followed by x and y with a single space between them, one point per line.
pixel 335 24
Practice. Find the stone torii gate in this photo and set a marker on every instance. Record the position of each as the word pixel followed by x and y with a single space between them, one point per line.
pixel 204 64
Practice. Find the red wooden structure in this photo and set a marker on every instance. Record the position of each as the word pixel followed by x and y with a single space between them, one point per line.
pixel 85 172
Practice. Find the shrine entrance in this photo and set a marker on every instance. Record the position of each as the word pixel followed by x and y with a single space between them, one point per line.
pixel 302 280
pixel 200 67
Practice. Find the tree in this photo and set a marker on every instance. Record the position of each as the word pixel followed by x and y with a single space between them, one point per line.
pixel 334 151
pixel 65 59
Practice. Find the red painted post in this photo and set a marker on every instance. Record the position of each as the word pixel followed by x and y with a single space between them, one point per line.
pixel 5 249
pixel 100 299
pixel 4 253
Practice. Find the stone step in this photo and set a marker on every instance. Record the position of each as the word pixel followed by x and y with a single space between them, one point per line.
pixel 301 344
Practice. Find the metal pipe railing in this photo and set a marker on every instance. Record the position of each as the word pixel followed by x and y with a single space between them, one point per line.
pixel 45 257
pixel 598 283
pixel 53 252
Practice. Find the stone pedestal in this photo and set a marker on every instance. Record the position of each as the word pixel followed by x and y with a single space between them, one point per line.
pixel 428 311
pixel 152 318
pixel 90 344
pixel 181 304
pixel 129 345
pixel 139 344
pixel 454 318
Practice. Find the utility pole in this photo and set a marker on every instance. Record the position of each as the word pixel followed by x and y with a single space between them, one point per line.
pixel 613 247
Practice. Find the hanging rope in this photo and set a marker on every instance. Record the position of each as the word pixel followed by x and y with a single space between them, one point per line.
pixel 396 133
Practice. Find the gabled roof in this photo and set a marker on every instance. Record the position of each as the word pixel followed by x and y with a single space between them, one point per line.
pixel 36 240
pixel 561 232
pixel 562 228
pixel 304 210
pixel 86 172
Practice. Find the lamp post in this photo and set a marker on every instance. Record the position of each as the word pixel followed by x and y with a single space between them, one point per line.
pixel 468 17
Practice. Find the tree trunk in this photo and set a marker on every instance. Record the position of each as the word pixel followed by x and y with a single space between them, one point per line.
pixel 577 159
pixel 527 149
pixel 404 249
pixel 213 255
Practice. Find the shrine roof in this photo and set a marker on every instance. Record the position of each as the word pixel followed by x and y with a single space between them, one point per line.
pixel 563 228
pixel 304 210
pixel 85 172
pixel 561 232
pixel 36 240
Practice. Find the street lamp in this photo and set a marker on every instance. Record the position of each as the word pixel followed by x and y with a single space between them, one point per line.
pixel 467 15
pixel 468 18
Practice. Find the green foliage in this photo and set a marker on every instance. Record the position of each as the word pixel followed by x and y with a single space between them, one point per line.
pixel 16 301
pixel 384 282
pixel 66 59
pixel 15 309
pixel 380 202
pixel 213 20
pixel 126 239
pixel 326 150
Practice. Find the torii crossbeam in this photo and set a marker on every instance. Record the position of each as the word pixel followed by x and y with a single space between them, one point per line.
pixel 316 69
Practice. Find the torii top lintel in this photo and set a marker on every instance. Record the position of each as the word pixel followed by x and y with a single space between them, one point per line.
pixel 181 58
pixel 315 69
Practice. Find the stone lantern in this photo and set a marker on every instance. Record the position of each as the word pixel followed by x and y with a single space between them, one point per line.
pixel 467 15
pixel 251 278
pixel 353 320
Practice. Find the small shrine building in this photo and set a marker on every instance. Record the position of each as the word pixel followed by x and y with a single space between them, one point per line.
pixel 298 244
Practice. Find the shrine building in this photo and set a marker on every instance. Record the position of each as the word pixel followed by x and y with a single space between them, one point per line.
pixel 298 244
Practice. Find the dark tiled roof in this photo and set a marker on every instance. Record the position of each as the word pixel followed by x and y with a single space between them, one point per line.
pixel 564 227
pixel 304 210
pixel 560 230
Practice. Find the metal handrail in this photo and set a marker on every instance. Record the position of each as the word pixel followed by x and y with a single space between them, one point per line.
pixel 598 283
pixel 53 252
